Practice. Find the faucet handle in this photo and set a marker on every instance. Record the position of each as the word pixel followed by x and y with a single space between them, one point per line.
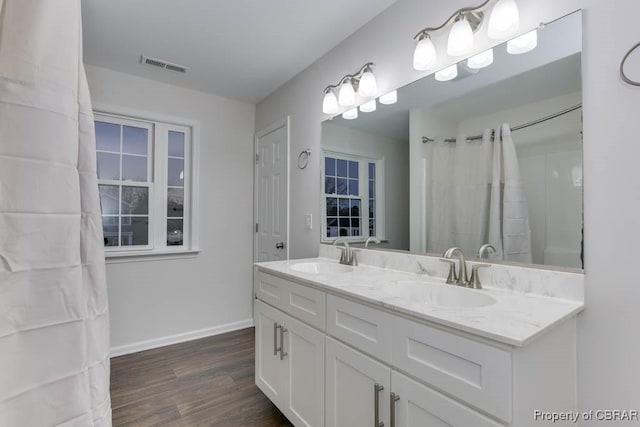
pixel 474 281
pixel 452 278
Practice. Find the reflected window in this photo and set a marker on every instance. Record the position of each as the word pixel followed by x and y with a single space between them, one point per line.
pixel 349 189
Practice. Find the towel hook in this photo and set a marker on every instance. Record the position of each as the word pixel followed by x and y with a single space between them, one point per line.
pixel 303 158
pixel 624 60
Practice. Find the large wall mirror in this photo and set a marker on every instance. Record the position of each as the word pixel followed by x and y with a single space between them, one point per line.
pixel 492 156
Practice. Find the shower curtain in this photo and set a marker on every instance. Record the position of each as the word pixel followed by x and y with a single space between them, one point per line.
pixel 475 196
pixel 54 325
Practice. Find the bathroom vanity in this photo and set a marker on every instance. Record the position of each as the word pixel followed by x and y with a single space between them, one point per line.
pixel 389 343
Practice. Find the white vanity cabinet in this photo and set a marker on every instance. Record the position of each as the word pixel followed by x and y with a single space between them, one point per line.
pixel 331 360
pixel 290 365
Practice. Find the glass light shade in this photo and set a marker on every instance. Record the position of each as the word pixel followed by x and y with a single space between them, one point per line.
pixel 368 107
pixel 460 38
pixel 329 103
pixel 368 87
pixel 447 74
pixel 350 114
pixel 481 60
pixel 347 95
pixel 504 20
pixel 389 98
pixel 424 57
pixel 523 44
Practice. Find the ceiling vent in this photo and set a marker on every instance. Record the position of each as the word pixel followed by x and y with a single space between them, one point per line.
pixel 155 62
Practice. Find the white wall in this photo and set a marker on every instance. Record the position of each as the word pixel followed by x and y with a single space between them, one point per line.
pixel 154 299
pixel 550 156
pixel 396 161
pixel 608 346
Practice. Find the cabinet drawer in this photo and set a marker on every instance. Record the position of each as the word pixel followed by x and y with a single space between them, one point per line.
pixel 307 304
pixel 474 372
pixel 362 327
pixel 301 302
pixel 419 405
pixel 271 289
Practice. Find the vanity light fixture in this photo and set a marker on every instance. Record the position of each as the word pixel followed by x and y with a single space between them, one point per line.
pixel 424 57
pixel 364 81
pixel 346 95
pixel 524 43
pixel 447 74
pixel 389 98
pixel 504 20
pixel 460 39
pixel 481 60
pixel 367 86
pixel 329 102
pixel 368 107
pixel 350 114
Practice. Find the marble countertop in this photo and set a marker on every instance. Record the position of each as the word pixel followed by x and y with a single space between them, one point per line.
pixel 515 318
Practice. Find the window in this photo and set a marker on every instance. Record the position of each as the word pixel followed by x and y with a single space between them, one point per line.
pixel 349 189
pixel 144 175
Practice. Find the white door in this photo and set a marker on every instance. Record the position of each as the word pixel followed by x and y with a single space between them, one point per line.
pixel 351 390
pixel 272 193
pixel 270 370
pixel 418 405
pixel 304 347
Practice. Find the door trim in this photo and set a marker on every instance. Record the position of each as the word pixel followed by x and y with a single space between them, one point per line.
pixel 263 132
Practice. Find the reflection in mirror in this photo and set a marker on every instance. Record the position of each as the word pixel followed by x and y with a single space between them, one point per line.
pixel 492 156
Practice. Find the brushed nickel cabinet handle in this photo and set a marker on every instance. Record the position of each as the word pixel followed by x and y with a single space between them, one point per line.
pixel 276 349
pixel 377 388
pixel 394 399
pixel 282 352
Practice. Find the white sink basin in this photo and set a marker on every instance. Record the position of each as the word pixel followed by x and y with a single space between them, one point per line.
pixel 321 268
pixel 439 294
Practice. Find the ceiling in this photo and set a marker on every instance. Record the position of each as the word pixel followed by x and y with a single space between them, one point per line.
pixel 239 49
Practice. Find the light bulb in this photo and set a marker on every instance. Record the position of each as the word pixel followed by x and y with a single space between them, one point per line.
pixel 329 102
pixel 350 114
pixel 367 87
pixel 447 74
pixel 368 107
pixel 481 60
pixel 460 38
pixel 504 20
pixel 389 98
pixel 523 44
pixel 347 95
pixel 424 57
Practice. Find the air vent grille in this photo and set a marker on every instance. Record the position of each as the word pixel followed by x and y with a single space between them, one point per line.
pixel 155 62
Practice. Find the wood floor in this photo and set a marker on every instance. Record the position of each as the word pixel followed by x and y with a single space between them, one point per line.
pixel 207 382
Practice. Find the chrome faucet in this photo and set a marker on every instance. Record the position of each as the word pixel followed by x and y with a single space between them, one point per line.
pixel 459 278
pixel 348 256
pixel 371 239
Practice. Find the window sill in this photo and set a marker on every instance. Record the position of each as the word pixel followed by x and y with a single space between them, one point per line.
pixel 117 257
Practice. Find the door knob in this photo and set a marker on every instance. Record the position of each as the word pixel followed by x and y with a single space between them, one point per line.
pixel 280 245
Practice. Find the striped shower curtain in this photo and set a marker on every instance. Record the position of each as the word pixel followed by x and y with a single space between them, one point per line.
pixel 54 324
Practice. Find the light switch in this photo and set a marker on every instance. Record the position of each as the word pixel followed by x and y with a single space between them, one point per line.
pixel 308 222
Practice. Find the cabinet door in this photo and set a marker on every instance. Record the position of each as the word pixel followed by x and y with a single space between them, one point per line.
pixel 419 405
pixel 350 388
pixel 304 349
pixel 270 370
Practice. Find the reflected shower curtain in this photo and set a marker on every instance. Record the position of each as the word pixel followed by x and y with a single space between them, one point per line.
pixel 54 325
pixel 475 196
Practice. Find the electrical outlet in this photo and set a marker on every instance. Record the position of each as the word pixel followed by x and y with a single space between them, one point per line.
pixel 308 223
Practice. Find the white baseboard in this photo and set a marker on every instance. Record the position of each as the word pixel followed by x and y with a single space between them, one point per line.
pixel 178 338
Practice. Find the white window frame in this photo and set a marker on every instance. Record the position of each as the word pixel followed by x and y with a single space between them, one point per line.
pixel 363 179
pixel 157 169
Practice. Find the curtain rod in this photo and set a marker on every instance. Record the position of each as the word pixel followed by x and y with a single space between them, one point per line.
pixel 426 139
